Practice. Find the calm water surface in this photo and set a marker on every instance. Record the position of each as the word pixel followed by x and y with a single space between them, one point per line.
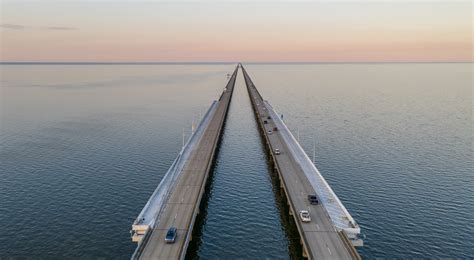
pixel 245 215
pixel 83 147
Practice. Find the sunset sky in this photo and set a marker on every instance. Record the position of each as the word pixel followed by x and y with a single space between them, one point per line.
pixel 324 30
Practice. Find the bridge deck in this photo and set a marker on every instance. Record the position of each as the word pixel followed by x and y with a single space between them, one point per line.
pixel 181 208
pixel 319 237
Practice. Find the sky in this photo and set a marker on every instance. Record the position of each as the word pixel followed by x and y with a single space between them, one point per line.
pixel 230 30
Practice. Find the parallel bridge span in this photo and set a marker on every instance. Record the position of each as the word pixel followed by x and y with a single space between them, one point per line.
pixel 332 232
pixel 176 200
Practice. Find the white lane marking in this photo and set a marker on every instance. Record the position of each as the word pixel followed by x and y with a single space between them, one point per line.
pixel 330 253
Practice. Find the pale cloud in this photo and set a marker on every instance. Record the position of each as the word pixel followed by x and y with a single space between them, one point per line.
pixel 12 26
pixel 23 27
pixel 59 28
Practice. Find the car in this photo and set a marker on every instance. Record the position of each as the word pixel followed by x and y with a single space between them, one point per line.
pixel 269 117
pixel 277 151
pixel 313 199
pixel 275 129
pixel 171 235
pixel 270 132
pixel 305 217
pixel 265 121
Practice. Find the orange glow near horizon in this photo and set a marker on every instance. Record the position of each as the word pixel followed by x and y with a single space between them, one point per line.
pixel 211 31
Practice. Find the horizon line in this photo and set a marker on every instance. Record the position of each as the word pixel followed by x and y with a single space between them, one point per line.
pixel 208 62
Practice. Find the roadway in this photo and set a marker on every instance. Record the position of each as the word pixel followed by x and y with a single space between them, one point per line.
pixel 182 207
pixel 320 239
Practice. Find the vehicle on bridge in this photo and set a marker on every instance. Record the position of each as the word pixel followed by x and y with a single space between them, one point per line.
pixel 270 132
pixel 313 199
pixel 305 217
pixel 171 235
pixel 277 151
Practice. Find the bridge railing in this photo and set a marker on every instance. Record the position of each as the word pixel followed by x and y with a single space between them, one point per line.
pixel 150 214
pixel 337 212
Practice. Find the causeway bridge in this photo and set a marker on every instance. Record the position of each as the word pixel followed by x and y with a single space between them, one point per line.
pixel 176 200
pixel 331 234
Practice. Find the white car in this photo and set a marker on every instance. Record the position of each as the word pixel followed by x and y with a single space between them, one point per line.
pixel 277 151
pixel 270 132
pixel 305 217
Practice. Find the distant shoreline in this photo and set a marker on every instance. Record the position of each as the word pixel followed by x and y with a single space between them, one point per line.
pixel 218 62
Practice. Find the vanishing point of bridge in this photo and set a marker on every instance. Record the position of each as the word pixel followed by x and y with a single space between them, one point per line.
pixel 331 234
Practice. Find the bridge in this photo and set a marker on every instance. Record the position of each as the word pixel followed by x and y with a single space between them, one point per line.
pixel 332 232
pixel 176 200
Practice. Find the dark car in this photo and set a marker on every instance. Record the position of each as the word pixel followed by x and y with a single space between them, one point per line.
pixel 269 117
pixel 313 199
pixel 275 129
pixel 171 235
pixel 265 122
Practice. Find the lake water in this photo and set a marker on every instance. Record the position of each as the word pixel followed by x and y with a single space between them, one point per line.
pixel 82 147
